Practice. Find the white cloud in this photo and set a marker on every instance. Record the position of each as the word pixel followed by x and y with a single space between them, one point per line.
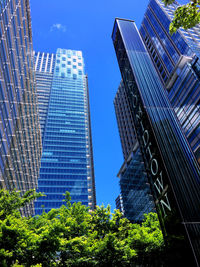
pixel 58 27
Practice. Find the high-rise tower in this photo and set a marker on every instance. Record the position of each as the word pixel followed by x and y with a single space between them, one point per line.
pixel 20 141
pixel 176 60
pixel 124 121
pixel 171 167
pixel 135 191
pixel 67 159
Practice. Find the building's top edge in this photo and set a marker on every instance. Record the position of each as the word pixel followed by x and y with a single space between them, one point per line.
pixel 39 52
pixel 60 50
pixel 130 20
pixel 115 26
pixel 69 49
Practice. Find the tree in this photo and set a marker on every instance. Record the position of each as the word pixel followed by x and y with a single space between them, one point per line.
pixel 74 236
pixel 186 16
pixel 14 231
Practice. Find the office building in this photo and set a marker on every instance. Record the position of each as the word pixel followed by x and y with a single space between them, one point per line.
pixel 135 191
pixel 172 169
pixel 67 159
pixel 175 59
pixel 124 121
pixel 20 141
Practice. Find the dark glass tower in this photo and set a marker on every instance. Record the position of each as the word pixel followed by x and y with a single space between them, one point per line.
pixel 20 140
pixel 175 59
pixel 135 191
pixel 124 121
pixel 67 159
pixel 171 167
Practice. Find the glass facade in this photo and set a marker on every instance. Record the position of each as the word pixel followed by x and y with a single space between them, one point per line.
pixel 135 192
pixel 44 69
pixel 176 60
pixel 124 121
pixel 172 169
pixel 20 139
pixel 67 160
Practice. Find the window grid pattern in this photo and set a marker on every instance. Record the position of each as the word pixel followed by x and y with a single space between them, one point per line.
pixel 124 121
pixel 44 69
pixel 20 141
pixel 67 161
pixel 184 91
pixel 135 191
pixel 133 181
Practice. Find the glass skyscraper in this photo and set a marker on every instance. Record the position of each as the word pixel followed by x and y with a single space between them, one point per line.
pixel 124 121
pixel 176 60
pixel 172 169
pixel 135 191
pixel 67 159
pixel 20 139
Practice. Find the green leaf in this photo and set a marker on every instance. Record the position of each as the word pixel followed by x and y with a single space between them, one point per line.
pixel 186 16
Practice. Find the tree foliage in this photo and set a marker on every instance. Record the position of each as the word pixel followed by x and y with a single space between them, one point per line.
pixel 74 236
pixel 186 16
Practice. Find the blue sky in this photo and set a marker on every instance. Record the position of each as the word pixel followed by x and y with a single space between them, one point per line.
pixel 87 26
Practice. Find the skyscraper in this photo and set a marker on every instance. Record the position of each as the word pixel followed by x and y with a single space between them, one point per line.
pixel 124 121
pixel 67 159
pixel 172 169
pixel 175 59
pixel 20 141
pixel 135 191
